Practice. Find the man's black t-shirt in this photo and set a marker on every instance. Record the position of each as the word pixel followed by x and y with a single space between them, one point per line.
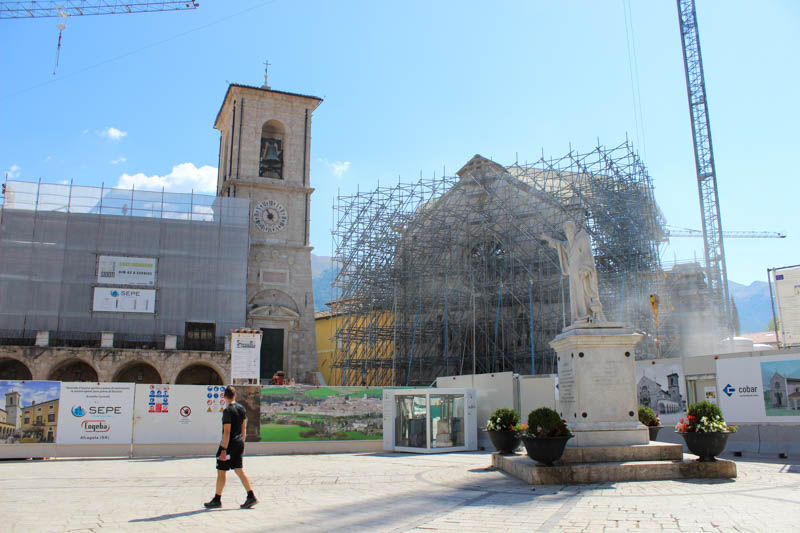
pixel 234 414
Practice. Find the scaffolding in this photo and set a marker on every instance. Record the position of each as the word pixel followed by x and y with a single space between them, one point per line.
pixel 450 275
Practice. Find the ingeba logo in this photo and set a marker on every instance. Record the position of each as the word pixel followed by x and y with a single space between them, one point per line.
pixel 95 426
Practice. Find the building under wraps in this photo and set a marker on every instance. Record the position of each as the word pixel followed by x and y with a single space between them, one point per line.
pixel 450 275
pixel 77 261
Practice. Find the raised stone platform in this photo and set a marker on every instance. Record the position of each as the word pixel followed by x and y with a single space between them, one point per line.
pixel 597 468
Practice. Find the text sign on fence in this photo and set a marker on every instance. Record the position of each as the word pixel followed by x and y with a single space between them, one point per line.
pixel 120 300
pixel 95 413
pixel 192 414
pixel 760 389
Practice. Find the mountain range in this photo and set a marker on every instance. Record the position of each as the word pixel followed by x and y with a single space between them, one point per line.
pixel 752 301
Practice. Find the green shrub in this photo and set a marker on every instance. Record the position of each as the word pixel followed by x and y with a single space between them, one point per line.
pixel 545 422
pixel 648 417
pixel 503 419
pixel 705 409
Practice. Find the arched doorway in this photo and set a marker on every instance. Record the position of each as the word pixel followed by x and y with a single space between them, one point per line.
pixel 11 369
pixel 73 370
pixel 198 374
pixel 138 373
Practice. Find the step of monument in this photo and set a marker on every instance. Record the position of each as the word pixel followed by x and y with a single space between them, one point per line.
pixel 524 468
pixel 654 451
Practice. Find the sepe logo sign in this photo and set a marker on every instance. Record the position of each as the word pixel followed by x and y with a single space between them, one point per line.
pixel 78 411
pixel 95 426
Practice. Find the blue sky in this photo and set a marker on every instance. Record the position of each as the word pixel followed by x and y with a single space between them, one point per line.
pixel 30 391
pixel 414 87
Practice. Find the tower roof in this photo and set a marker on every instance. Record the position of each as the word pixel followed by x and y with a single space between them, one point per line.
pixel 317 99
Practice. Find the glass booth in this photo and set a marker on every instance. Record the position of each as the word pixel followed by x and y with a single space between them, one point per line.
pixel 429 420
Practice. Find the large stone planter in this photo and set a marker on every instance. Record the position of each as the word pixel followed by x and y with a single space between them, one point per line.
pixel 706 445
pixel 504 442
pixel 545 450
pixel 654 431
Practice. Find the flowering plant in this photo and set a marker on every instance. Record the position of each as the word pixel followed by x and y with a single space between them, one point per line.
pixel 545 422
pixel 503 420
pixel 703 417
pixel 648 417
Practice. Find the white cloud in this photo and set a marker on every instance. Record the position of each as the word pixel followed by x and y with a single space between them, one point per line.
pixel 48 158
pixel 112 133
pixel 183 178
pixel 338 168
pixel 84 132
pixel 120 159
pixel 64 182
pixel 13 171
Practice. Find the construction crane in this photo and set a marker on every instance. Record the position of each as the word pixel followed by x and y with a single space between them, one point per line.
pixel 687 232
pixel 716 272
pixel 61 8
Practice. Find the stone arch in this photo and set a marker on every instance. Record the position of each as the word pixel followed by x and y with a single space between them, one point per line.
pixel 74 369
pixel 273 303
pixel 270 161
pixel 199 374
pixel 14 369
pixel 137 372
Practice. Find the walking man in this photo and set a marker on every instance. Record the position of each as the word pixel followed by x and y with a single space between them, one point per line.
pixel 231 450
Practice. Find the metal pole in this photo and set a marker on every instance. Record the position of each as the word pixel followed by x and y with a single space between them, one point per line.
pixel 530 314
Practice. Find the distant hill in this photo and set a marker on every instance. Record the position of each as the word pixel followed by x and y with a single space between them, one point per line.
pixel 753 304
pixel 322 275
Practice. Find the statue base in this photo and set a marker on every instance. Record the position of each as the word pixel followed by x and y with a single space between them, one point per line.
pixel 597 384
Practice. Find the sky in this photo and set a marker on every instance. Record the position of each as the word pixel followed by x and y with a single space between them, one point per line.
pixel 419 87
pixel 31 391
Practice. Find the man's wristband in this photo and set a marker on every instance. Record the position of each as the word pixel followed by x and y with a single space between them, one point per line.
pixel 226 449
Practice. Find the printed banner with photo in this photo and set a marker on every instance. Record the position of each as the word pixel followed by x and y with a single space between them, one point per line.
pixel 760 389
pixel 305 412
pixel 95 413
pixel 661 387
pixel 178 413
pixel 29 412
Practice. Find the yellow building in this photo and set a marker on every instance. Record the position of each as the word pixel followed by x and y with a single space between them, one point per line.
pixel 39 422
pixel 362 362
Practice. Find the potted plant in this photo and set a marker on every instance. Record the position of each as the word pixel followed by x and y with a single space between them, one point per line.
pixel 546 436
pixel 502 429
pixel 649 418
pixel 704 430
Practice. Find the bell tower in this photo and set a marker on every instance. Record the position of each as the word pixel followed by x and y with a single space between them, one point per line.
pixel 265 145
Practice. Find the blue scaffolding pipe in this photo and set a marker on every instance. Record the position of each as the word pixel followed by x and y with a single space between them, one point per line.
pixel 496 324
pixel 413 338
pixel 530 314
pixel 444 353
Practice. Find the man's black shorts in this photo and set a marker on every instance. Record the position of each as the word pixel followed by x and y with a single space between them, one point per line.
pixel 235 452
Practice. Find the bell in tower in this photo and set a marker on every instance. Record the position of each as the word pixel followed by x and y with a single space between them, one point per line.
pixel 271 165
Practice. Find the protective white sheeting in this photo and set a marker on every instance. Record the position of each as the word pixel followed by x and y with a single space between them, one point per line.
pixel 760 389
pixel 168 414
pixel 95 413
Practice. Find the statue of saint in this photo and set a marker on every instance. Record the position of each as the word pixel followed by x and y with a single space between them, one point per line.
pixel 577 262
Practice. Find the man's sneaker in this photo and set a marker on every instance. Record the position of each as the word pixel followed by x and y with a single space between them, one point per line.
pixel 249 502
pixel 213 504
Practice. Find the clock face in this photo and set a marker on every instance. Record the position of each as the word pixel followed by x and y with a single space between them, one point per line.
pixel 270 216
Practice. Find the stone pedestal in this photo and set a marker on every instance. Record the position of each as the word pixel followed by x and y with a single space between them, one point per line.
pixel 43 338
pixel 597 385
pixel 170 342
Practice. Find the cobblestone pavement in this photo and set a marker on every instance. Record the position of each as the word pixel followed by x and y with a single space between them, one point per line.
pixel 381 492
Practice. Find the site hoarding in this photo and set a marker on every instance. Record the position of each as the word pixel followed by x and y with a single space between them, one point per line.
pixel 787 297
pixel 310 413
pixel 122 300
pixel 662 387
pixel 245 355
pixel 29 412
pixel 178 413
pixel 119 270
pixel 95 413
pixel 760 389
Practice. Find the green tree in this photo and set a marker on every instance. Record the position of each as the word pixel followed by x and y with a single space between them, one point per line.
pixel 773 325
